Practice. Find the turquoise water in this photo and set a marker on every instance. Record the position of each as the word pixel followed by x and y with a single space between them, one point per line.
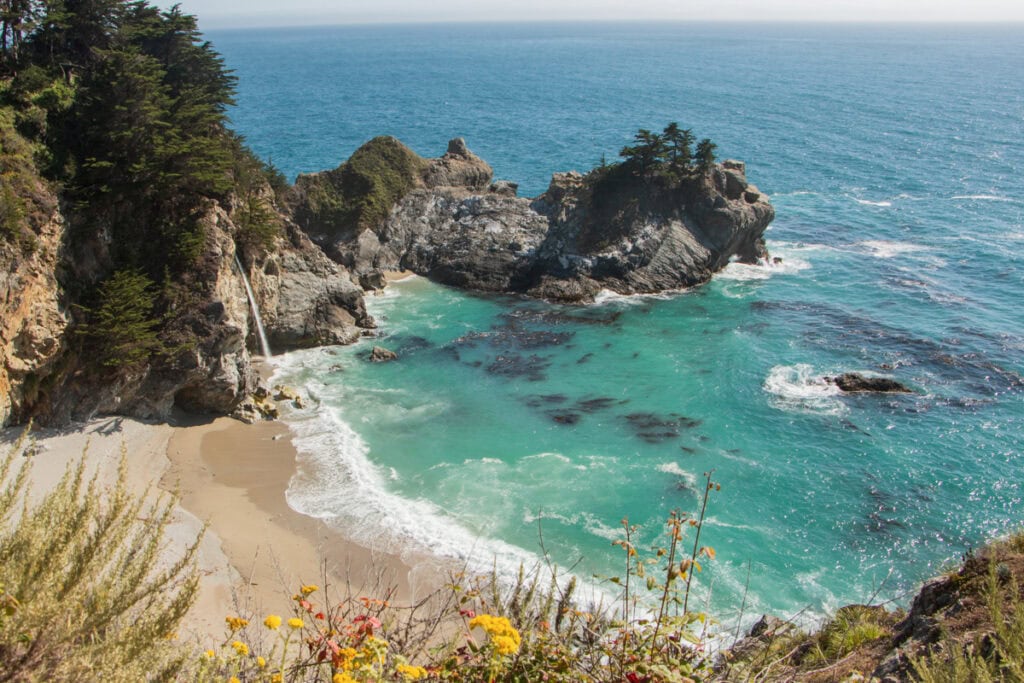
pixel 893 156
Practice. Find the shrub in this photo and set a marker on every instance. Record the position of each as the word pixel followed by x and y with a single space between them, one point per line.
pixel 80 597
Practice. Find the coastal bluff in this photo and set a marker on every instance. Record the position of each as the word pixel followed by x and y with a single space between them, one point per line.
pixel 386 208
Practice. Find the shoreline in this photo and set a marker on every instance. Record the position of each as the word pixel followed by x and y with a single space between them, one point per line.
pixel 231 479
pixel 235 476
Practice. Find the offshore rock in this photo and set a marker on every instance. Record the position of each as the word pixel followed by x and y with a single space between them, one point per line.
pixel 381 355
pixel 604 230
pixel 852 382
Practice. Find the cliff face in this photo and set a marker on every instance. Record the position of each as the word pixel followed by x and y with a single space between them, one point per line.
pixel 585 233
pixel 33 315
pixel 305 298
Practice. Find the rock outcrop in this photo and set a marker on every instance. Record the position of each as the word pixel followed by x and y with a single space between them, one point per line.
pixel 854 382
pixel 607 229
pixel 381 355
pixel 307 299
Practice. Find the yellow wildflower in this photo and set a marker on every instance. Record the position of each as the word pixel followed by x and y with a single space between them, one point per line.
pixel 210 654
pixel 277 678
pixel 240 647
pixel 504 637
pixel 411 673
pixel 505 645
pixel 272 622
pixel 309 588
pixel 235 623
pixel 234 679
pixel 295 622
pixel 342 678
pixel 261 663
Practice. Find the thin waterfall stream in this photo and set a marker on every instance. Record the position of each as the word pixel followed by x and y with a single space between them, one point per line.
pixel 264 344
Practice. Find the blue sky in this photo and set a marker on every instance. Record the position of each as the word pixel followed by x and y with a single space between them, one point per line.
pixel 228 13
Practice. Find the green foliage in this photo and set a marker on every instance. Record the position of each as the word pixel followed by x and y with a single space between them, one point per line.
pixel 12 213
pixel 25 202
pixel 852 627
pixel 17 18
pixel 705 155
pixel 658 174
pixel 360 193
pixel 80 595
pixel 254 184
pixel 121 331
pixel 669 153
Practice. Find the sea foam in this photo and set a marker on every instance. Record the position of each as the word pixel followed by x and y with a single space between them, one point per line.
pixel 800 388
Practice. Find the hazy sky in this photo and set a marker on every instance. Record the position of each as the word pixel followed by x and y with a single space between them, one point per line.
pixel 226 13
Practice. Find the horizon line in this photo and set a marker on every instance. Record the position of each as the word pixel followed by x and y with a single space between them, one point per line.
pixel 1012 23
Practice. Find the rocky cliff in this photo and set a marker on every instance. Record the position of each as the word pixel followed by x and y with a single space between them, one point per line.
pixel 206 365
pixel 33 308
pixel 606 229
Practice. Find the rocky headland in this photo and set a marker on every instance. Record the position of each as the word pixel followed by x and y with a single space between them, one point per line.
pixel 447 219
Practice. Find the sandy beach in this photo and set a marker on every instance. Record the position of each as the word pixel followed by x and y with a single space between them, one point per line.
pixel 256 551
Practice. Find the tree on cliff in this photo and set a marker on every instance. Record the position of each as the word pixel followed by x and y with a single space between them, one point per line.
pixel 121 331
pixel 705 155
pixel 647 153
pixel 16 20
pixel 669 153
pixel 680 148
pixel 124 106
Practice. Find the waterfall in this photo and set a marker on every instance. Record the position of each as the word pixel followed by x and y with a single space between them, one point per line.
pixel 264 344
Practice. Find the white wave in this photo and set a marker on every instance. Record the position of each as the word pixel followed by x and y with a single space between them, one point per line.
pixel 868 202
pixel 796 193
pixel 607 296
pixel 783 248
pixel 800 388
pixel 890 249
pixel 766 531
pixel 985 198
pixel 335 481
pixel 673 468
pixel 483 461
pixel 746 272
pixel 542 456
pixel 594 526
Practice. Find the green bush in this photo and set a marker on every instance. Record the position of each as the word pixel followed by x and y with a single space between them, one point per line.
pixel 80 597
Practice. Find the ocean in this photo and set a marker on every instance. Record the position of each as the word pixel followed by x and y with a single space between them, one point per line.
pixel 512 428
